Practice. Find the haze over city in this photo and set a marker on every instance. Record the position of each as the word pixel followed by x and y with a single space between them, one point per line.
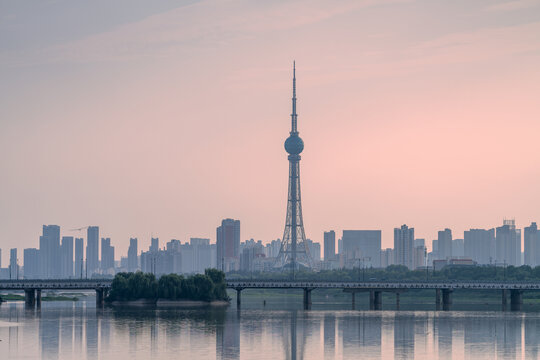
pixel 164 119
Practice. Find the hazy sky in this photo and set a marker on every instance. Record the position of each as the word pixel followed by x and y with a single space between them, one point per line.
pixel 162 117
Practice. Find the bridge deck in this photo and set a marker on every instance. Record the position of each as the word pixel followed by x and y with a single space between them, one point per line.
pixel 382 285
pixel 254 284
pixel 55 284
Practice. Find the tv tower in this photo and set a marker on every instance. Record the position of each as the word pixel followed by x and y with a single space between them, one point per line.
pixel 294 252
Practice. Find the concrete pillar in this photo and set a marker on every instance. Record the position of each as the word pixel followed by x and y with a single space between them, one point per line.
pixel 38 298
pixel 371 299
pixel 397 300
pixel 29 297
pixel 447 298
pixel 516 299
pixel 100 297
pixel 504 298
pixel 238 297
pixel 353 299
pixel 307 299
pixel 377 300
pixel 438 297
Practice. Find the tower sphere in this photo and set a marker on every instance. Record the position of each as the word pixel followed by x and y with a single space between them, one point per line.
pixel 294 144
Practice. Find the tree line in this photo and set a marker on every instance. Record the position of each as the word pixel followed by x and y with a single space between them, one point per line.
pixel 402 273
pixel 134 286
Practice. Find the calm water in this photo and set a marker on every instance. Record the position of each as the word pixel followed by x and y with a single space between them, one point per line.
pixel 65 330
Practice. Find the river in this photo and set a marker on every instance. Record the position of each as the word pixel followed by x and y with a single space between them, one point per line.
pixel 277 330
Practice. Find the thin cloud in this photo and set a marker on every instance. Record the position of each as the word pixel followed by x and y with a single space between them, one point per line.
pixel 513 5
pixel 200 25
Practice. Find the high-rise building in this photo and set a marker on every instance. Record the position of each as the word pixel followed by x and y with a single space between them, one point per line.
pixel 272 249
pixel 314 250
pixel 404 246
pixel 435 249
pixel 202 254
pixel 531 238
pixel 419 242
pixel 294 251
pixel 107 256
pixel 444 241
pixel 228 245
pixel 66 259
pixel 364 245
pixel 31 263
pixel 13 264
pixel 133 263
pixel 329 245
pixel 154 244
pixel 458 248
pixel 479 245
pixel 79 258
pixel 92 250
pixel 508 243
pixel 49 252
pixel 419 255
pixel 387 257
pixel 250 253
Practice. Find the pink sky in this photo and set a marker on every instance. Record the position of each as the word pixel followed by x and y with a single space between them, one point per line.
pixel 153 118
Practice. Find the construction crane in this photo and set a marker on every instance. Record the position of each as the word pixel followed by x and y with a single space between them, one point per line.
pixel 79 229
pixel 85 262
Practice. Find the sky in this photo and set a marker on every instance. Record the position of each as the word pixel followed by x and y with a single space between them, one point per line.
pixel 163 118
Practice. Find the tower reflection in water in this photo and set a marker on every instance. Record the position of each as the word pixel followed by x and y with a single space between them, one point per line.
pixel 68 331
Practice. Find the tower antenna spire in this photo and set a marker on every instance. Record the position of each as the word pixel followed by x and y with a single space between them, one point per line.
pixel 294 128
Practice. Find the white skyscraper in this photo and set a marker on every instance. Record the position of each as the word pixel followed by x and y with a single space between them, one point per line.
pixel 479 245
pixel 404 246
pixel 508 244
pixel 364 245
pixel 444 241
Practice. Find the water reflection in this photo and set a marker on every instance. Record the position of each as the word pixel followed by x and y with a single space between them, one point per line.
pixel 228 336
pixel 80 331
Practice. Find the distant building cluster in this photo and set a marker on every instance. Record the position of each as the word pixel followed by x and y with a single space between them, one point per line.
pixel 501 246
pixel 68 257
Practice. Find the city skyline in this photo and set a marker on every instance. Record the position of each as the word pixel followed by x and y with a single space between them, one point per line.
pixel 149 242
pixel 57 257
pixel 151 145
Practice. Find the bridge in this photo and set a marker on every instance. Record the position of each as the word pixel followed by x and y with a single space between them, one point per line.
pixel 443 289
pixel 32 288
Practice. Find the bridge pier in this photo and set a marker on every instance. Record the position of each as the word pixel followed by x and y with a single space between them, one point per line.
pixel 38 298
pixel 378 300
pixel 438 298
pixel 504 298
pixel 238 297
pixel 375 300
pixel 353 299
pixel 516 299
pixel 30 297
pixel 307 298
pixel 100 297
pixel 447 298
pixel 397 300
